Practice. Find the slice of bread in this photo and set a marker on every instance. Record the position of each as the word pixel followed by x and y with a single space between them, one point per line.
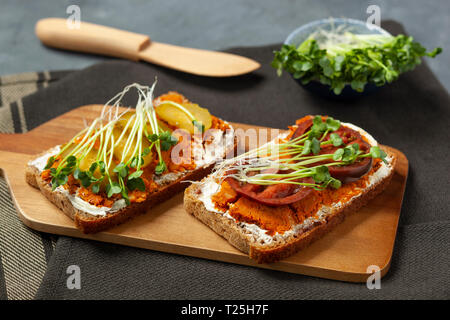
pixel 252 240
pixel 89 223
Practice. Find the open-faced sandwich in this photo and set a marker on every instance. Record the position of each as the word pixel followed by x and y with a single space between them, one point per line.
pixel 278 198
pixel 129 160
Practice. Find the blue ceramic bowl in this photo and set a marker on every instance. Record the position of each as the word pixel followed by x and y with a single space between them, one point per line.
pixel 356 26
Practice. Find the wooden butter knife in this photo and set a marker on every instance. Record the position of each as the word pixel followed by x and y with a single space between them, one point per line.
pixel 93 38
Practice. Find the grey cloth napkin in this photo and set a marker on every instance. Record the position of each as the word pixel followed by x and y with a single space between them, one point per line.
pixel 411 114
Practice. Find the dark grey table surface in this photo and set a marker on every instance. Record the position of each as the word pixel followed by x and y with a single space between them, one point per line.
pixel 207 24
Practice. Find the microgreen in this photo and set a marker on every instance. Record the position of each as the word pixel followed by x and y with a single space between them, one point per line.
pixel 336 139
pixel 113 188
pixel 60 174
pixel 137 183
pixel 50 162
pixel 338 154
pixel 164 141
pixel 376 152
pixel 135 174
pixel 320 174
pixel 332 124
pixel 167 140
pixel 342 58
pixel 315 146
pixel 160 167
pixel 122 169
pixel 87 178
pixel 153 137
pixel 306 148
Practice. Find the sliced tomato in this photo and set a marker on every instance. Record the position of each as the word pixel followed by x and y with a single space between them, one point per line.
pixel 349 136
pixel 355 170
pixel 272 195
pixel 302 126
pixel 352 171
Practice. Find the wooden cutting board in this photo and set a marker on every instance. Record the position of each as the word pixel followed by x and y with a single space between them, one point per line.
pixel 366 238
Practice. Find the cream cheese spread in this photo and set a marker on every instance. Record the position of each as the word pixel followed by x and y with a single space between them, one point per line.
pixel 41 162
pixel 363 133
pixel 206 154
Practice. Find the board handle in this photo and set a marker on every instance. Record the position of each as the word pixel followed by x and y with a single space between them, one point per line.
pixel 91 38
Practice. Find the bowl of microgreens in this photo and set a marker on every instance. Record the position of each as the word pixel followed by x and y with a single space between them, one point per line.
pixel 343 58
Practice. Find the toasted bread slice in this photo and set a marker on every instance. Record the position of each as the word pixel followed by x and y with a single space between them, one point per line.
pixel 89 223
pixel 128 160
pixel 254 241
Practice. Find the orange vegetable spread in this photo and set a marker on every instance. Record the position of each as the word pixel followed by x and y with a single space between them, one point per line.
pixel 225 196
pixel 272 219
pixel 81 137
pixel 171 96
pixel 99 200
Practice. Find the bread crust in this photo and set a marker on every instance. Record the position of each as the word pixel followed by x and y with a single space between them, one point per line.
pixel 223 226
pixel 236 236
pixel 89 223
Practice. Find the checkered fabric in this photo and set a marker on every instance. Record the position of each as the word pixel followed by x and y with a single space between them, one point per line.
pixel 22 267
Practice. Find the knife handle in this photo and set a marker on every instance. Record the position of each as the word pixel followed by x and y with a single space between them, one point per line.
pixel 91 38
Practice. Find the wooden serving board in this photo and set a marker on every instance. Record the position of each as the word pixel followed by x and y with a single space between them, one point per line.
pixel 366 238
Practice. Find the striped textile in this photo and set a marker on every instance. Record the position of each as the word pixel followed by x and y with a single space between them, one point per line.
pixel 21 267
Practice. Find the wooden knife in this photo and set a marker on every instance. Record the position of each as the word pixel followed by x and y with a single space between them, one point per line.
pixel 93 38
